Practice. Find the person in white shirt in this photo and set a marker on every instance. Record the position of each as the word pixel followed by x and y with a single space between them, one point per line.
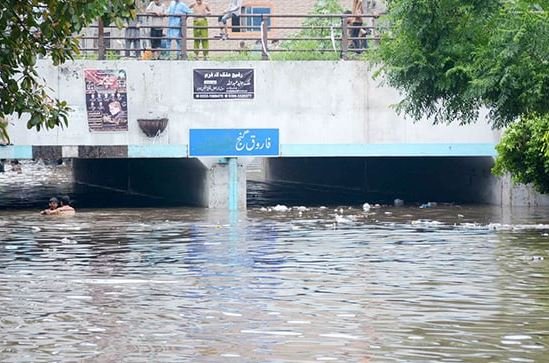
pixel 234 8
pixel 157 10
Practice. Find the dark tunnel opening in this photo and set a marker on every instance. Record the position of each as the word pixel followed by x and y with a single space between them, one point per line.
pixel 290 181
pixel 351 180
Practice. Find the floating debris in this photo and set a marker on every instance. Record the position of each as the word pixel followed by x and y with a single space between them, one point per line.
pixel 280 208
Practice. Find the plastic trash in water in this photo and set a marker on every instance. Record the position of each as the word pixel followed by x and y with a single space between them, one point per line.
pixel 280 208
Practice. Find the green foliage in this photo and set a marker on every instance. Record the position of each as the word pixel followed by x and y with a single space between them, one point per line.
pixel 512 69
pixel 30 29
pixel 524 152
pixel 452 57
pixel 243 55
pixel 308 55
pixel 112 55
pixel 322 29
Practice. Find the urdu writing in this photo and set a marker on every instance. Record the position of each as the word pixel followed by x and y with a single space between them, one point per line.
pixel 250 142
pixel 234 142
pixel 223 83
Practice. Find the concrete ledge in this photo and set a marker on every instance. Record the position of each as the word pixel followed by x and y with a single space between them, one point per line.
pixel 103 152
pixel 158 151
pixel 386 150
pixel 286 150
pixel 16 152
pixel 47 152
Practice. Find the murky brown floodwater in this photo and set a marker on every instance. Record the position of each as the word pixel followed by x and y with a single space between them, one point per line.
pixel 446 284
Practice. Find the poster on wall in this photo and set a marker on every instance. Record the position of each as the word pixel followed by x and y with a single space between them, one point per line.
pixel 106 99
pixel 211 84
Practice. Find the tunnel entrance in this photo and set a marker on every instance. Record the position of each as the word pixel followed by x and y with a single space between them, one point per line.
pixel 349 180
pixel 290 181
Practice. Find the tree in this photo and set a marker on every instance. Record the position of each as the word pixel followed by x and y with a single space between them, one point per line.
pixel 321 28
pixel 452 58
pixel 30 29
pixel 524 152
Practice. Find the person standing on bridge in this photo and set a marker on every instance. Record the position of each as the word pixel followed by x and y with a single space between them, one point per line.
pixel 157 10
pixel 176 10
pixel 133 38
pixel 200 23
pixel 233 11
pixel 356 23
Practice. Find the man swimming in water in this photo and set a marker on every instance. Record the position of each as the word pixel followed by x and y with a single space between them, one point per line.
pixel 65 208
pixel 53 204
pixel 62 209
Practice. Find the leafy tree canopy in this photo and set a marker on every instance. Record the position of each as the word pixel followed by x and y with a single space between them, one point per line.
pixel 46 28
pixel 452 57
pixel 524 152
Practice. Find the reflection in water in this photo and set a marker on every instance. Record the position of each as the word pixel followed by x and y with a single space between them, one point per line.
pixel 455 284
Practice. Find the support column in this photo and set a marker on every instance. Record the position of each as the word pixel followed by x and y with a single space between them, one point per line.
pixel 233 184
pixel 226 184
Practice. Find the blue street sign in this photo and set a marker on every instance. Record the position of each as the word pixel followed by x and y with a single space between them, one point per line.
pixel 233 142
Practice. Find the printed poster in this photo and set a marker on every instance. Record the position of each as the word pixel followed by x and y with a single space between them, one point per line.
pixel 106 99
pixel 223 84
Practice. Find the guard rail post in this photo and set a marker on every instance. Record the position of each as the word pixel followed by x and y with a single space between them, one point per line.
pixel 344 37
pixel 264 39
pixel 100 39
pixel 183 54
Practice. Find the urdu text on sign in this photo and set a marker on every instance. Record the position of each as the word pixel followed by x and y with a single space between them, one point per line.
pixel 223 84
pixel 234 142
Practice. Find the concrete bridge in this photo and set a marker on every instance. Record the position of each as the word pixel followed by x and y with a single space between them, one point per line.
pixel 325 123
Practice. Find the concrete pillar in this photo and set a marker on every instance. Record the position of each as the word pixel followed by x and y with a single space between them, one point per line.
pixel 226 183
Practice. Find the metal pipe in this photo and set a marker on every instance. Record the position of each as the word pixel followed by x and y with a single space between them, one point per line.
pixel 233 184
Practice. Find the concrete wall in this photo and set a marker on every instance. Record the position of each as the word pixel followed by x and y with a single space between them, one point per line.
pixel 321 109
pixel 518 195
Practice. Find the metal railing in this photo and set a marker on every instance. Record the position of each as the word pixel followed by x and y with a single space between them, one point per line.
pixel 267 34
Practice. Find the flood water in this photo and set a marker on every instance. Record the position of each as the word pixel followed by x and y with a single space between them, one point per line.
pixel 313 284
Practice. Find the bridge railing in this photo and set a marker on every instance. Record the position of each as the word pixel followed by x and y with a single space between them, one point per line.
pixel 260 36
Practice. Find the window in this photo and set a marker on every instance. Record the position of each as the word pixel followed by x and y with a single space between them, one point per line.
pixel 253 23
